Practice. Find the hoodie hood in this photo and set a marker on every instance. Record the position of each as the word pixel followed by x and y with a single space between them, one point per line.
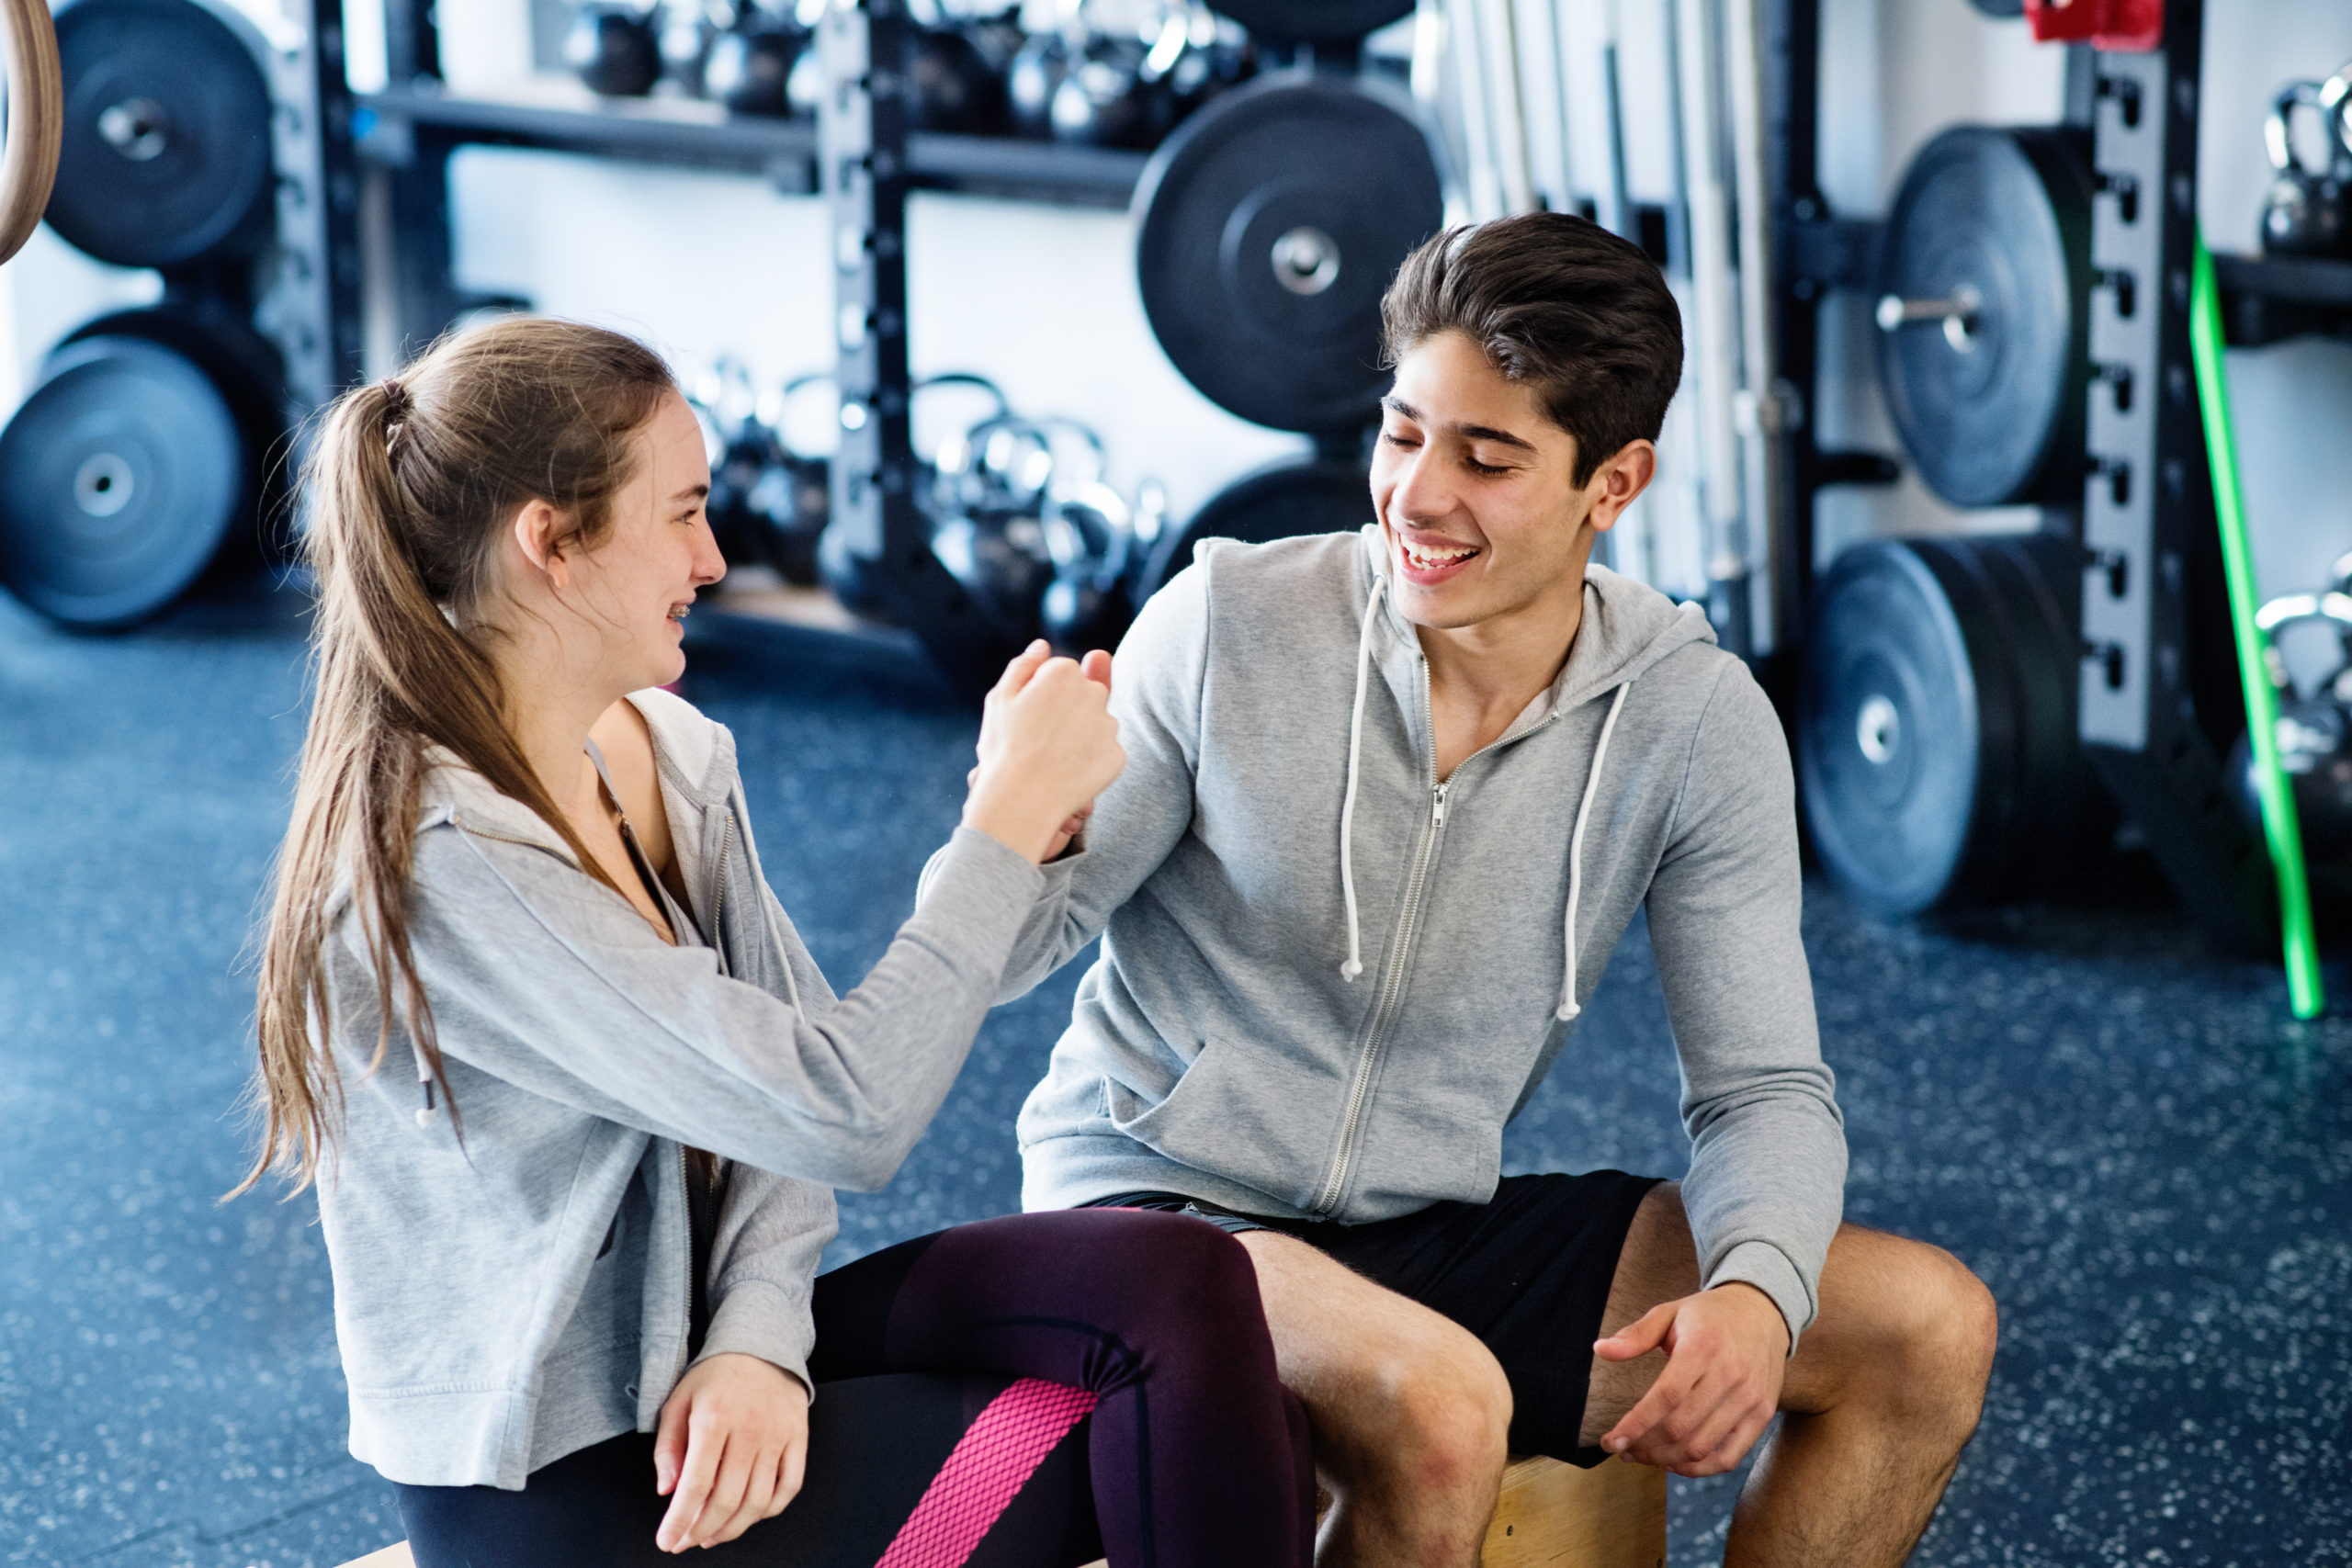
pixel 1621 633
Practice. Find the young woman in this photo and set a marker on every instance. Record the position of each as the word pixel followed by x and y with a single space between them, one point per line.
pixel 574 1253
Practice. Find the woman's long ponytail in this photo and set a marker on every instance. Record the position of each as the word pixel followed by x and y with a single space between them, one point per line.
pixel 409 483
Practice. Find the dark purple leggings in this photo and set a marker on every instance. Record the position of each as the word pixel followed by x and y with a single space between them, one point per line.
pixel 1194 1455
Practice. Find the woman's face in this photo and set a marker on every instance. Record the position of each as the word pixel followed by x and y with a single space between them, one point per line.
pixel 638 582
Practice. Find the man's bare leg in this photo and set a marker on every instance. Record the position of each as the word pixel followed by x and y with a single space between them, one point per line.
pixel 1877 1403
pixel 1410 1411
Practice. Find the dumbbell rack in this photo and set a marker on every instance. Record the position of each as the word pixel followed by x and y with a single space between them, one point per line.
pixel 413 126
pixel 2160 703
pixel 876 530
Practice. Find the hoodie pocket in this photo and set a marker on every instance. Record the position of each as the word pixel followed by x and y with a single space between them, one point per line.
pixel 1242 1113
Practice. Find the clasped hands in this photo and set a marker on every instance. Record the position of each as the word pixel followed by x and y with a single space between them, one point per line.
pixel 1727 1352
pixel 1049 746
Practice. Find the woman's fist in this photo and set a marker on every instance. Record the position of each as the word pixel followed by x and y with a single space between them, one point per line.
pixel 1049 746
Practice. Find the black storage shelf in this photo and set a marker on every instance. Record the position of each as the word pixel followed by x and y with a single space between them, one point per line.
pixel 2269 298
pixel 685 132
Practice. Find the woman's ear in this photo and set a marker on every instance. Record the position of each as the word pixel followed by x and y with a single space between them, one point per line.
pixel 539 533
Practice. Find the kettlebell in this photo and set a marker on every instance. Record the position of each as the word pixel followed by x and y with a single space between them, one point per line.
pixel 1089 534
pixel 684 39
pixel 614 50
pixel 2315 734
pixel 751 66
pixel 953 88
pixel 2304 214
pixel 1037 68
pixel 1103 98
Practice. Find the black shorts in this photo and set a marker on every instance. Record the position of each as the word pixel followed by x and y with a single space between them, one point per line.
pixel 1528 1273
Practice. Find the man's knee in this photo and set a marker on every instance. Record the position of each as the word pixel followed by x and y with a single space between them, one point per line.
pixel 1944 1327
pixel 1438 1414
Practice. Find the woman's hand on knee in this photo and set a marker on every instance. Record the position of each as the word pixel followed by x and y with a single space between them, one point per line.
pixel 731 1449
pixel 1049 746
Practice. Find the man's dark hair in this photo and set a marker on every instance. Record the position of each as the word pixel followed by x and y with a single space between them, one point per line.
pixel 1559 303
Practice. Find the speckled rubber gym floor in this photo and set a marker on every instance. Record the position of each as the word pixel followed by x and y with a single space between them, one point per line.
pixel 2128 1139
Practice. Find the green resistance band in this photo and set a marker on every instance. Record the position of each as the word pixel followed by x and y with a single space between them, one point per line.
pixel 2280 825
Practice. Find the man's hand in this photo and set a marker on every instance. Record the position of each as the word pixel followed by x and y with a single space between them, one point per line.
pixel 1726 1350
pixel 731 1449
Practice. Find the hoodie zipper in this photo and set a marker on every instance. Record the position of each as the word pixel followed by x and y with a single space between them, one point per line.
pixel 1392 980
pixel 686 1275
pixel 718 899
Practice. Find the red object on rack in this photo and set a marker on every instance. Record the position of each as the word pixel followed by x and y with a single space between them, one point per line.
pixel 2133 27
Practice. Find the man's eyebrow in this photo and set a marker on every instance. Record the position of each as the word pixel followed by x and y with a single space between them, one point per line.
pixel 1467 432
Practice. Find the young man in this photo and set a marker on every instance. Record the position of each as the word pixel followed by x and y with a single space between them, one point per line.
pixel 1390 801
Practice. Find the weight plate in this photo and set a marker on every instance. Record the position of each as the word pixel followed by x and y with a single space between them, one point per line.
pixel 121 476
pixel 1317 21
pixel 1936 723
pixel 1992 403
pixel 1267 227
pixel 1316 496
pixel 249 373
pixel 165 159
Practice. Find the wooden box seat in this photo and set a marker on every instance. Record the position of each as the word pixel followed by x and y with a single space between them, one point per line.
pixel 1550 1515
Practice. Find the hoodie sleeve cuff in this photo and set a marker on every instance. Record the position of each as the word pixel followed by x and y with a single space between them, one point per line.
pixel 1767 1269
pixel 976 882
pixel 756 1318
pixel 1055 874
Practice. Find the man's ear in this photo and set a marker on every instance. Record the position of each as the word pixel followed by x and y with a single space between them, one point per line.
pixel 1617 482
pixel 540 534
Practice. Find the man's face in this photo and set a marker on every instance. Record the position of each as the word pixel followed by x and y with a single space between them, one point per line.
pixel 1471 483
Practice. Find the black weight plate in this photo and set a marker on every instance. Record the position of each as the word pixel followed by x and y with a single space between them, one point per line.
pixel 1935 726
pixel 167 155
pixel 248 371
pixel 1994 414
pixel 120 476
pixel 1317 21
pixel 1267 227
pixel 1316 496
pixel 1887 739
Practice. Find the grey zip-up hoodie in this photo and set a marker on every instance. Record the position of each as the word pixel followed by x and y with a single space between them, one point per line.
pixel 502 1303
pixel 1328 981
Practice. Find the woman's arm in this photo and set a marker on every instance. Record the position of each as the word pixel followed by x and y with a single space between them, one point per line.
pixel 545 979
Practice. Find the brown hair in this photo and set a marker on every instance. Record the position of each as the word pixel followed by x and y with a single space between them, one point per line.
pixel 409 484
pixel 1559 303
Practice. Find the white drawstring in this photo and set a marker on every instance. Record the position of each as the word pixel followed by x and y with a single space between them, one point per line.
pixel 1354 965
pixel 1568 1006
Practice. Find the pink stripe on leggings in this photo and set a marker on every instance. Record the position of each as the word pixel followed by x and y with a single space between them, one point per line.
pixel 993 1461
